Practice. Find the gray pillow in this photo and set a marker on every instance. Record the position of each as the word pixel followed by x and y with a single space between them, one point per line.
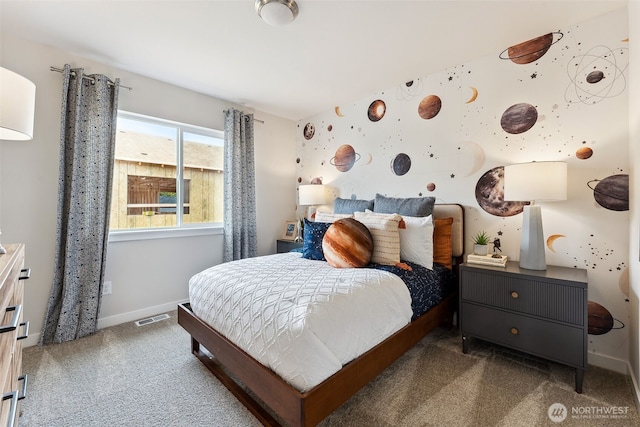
pixel 349 206
pixel 410 206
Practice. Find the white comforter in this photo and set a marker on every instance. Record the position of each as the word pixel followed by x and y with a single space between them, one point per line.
pixel 303 319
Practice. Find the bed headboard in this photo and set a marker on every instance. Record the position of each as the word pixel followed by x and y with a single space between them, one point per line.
pixel 456 212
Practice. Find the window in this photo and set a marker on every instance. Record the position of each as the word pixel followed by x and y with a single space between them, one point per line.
pixel 166 174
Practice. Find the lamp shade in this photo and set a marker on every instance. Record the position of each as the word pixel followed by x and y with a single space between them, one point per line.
pixel 277 12
pixel 17 106
pixel 535 181
pixel 310 195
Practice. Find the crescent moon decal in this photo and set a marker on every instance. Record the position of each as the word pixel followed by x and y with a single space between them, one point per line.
pixel 473 96
pixel 338 113
pixel 476 153
pixel 552 239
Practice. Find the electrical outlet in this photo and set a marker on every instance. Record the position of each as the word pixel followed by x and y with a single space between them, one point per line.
pixel 106 288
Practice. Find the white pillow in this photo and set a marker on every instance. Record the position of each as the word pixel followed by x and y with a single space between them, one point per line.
pixel 330 217
pixel 416 240
pixel 386 238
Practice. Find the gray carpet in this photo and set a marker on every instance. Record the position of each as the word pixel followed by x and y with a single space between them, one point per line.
pixel 145 376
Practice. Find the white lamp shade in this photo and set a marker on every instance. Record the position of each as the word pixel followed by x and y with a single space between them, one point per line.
pixel 277 12
pixel 311 195
pixel 536 181
pixel 17 106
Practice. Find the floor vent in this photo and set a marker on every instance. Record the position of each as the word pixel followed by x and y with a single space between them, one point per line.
pixel 153 319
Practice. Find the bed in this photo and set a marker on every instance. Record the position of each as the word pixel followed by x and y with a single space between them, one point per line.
pixel 304 397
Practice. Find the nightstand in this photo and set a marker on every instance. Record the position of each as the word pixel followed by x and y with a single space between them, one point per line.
pixel 543 313
pixel 287 245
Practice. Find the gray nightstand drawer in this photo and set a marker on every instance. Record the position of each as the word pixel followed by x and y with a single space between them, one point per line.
pixel 550 340
pixel 525 295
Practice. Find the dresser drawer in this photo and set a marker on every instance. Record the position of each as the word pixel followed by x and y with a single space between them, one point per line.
pixel 561 343
pixel 539 298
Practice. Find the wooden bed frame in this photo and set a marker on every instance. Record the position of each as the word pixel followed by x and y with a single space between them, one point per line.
pixel 237 370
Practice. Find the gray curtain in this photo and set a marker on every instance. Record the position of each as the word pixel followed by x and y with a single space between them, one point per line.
pixel 239 187
pixel 87 143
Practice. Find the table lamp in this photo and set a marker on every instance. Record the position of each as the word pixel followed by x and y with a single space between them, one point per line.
pixel 311 195
pixel 535 181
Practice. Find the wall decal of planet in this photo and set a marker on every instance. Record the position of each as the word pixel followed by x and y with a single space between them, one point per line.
pixel 338 112
pixel 409 90
pixel 595 76
pixel 316 181
pixel 531 50
pixel 309 131
pixel 490 194
pixel 401 164
pixel 584 153
pixel 376 110
pixel 612 192
pixel 600 320
pixel 429 107
pixel 519 118
pixel 431 186
pixel 345 158
pixel 599 65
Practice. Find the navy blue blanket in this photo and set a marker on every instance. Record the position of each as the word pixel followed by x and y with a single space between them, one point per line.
pixel 427 287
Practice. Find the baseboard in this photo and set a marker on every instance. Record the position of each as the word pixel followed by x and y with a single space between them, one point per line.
pixel 118 319
pixel 636 386
pixel 131 316
pixel 608 362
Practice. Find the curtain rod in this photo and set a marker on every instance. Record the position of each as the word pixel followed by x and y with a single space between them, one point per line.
pixel 60 70
pixel 254 119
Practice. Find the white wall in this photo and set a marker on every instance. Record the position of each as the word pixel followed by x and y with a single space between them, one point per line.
pixel 454 155
pixel 148 276
pixel 634 150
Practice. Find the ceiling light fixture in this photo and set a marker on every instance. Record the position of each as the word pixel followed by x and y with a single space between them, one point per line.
pixel 277 12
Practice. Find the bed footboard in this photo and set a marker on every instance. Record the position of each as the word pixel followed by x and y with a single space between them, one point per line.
pixel 291 406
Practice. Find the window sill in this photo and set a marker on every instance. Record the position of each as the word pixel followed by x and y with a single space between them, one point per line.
pixel 163 233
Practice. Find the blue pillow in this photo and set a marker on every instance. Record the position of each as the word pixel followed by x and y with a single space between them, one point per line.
pixel 410 206
pixel 349 206
pixel 313 235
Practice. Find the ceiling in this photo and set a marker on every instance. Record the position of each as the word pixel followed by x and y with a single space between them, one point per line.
pixel 333 53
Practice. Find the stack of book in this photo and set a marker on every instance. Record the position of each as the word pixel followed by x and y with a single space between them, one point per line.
pixel 499 261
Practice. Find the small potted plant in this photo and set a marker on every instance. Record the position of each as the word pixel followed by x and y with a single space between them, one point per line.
pixel 481 243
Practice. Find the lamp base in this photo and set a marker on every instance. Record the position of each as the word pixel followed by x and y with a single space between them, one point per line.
pixel 532 255
pixel 311 213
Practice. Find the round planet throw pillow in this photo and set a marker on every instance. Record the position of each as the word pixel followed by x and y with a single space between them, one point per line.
pixel 347 244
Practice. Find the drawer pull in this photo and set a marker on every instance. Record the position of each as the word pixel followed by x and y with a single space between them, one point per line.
pixel 514 295
pixel 23 391
pixel 17 310
pixel 13 396
pixel 26 331
pixel 515 331
pixel 25 273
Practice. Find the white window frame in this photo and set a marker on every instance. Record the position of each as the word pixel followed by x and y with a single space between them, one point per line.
pixel 181 229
